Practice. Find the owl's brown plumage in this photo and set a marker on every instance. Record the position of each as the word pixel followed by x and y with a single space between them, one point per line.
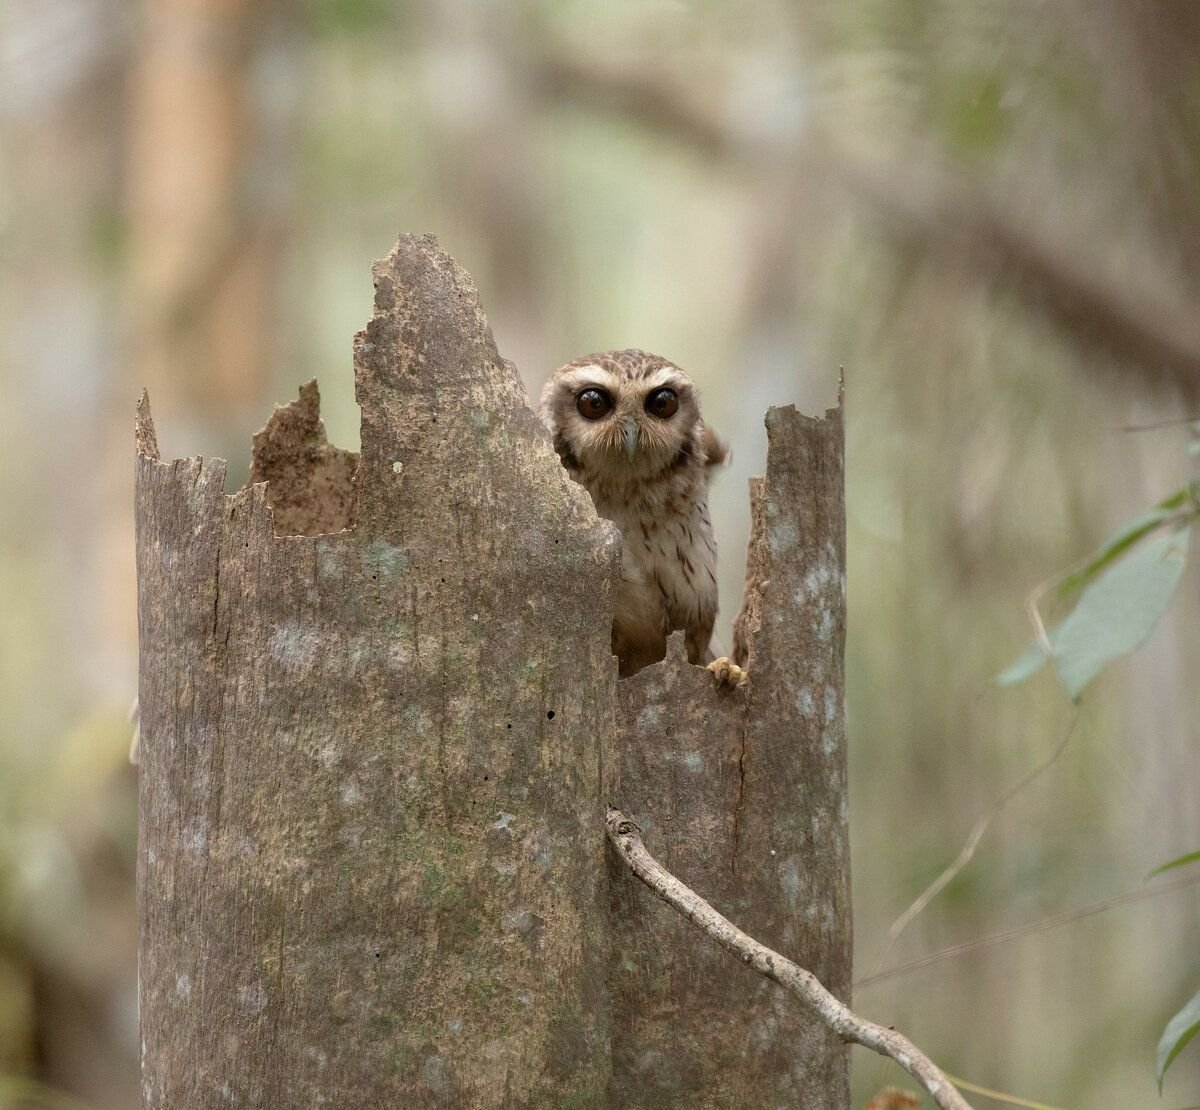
pixel 628 428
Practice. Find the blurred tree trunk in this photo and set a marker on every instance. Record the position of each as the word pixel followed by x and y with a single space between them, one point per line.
pixel 485 160
pixel 381 720
pixel 1151 53
pixel 208 179
pixel 67 938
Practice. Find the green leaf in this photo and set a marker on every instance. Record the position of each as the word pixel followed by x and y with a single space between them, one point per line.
pixel 1180 1029
pixel 1179 498
pixel 1031 660
pixel 1182 861
pixel 1125 537
pixel 1115 613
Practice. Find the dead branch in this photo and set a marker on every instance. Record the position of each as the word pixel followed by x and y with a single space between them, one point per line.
pixel 640 94
pixel 959 226
pixel 838 1017
pixel 968 850
pixel 965 229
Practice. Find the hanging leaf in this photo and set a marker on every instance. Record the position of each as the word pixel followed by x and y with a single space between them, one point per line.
pixel 1031 660
pixel 1180 1029
pixel 1115 613
pixel 1126 536
pixel 1182 861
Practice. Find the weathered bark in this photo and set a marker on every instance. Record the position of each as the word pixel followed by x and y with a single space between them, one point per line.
pixel 743 796
pixel 835 1015
pixel 371 852
pixel 381 717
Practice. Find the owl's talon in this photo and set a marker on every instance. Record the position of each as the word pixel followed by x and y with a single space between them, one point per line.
pixel 726 673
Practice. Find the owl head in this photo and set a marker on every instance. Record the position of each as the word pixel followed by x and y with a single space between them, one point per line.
pixel 626 413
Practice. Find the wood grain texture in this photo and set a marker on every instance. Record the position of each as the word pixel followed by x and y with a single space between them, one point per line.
pixel 371 847
pixel 742 794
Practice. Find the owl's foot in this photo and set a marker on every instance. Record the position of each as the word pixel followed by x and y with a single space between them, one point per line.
pixel 726 673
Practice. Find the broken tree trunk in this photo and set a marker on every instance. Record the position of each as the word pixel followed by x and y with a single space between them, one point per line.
pixel 371 864
pixel 744 797
pixel 380 722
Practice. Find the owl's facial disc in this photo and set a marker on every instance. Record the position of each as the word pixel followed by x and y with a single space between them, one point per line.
pixel 622 425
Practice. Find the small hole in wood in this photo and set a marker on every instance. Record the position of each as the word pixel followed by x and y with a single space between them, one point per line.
pixel 549 714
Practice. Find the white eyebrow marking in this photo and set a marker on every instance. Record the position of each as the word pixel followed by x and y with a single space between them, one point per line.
pixel 596 376
pixel 665 376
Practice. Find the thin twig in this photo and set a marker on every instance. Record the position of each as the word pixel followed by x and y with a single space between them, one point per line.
pixel 1154 425
pixel 1067 917
pixel 1003 1096
pixel 833 1013
pixel 968 851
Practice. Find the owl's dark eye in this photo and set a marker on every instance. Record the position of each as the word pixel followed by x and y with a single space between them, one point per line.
pixel 663 403
pixel 593 404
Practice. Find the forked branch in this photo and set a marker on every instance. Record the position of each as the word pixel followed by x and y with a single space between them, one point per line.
pixel 834 1014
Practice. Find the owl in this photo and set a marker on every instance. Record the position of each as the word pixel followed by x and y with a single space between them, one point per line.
pixel 627 426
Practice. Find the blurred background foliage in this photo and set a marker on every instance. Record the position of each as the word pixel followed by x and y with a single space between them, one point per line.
pixel 988 212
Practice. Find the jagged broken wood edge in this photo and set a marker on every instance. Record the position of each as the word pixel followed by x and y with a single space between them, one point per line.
pixel 310 482
pixel 209 472
pixel 577 670
pixel 744 792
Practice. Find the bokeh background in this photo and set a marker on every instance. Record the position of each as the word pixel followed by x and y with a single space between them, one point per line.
pixel 987 212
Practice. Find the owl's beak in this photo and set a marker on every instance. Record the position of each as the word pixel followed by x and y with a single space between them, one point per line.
pixel 631 438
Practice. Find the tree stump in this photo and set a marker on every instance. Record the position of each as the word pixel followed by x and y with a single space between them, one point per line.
pixel 380 723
